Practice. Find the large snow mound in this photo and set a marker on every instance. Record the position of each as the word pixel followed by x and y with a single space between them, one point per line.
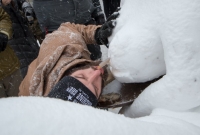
pixel 47 116
pixel 154 37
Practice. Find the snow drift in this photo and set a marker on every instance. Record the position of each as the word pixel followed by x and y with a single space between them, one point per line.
pixel 153 38
pixel 45 116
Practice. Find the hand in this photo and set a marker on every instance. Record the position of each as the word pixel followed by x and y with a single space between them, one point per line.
pixel 3 41
pixel 114 15
pixel 102 33
pixel 6 2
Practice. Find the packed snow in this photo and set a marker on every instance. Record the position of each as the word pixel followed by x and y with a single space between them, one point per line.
pixel 46 116
pixel 153 38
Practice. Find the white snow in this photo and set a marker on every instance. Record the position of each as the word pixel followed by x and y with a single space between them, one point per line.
pixel 45 116
pixel 153 38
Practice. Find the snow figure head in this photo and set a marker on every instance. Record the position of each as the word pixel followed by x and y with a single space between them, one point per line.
pixel 154 38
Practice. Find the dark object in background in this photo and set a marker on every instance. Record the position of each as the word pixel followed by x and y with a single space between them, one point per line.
pixel 23 41
pixel 110 6
pixel 3 41
pixel 51 13
pixel 98 14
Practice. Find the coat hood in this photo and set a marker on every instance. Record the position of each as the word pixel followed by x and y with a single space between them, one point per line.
pixel 60 50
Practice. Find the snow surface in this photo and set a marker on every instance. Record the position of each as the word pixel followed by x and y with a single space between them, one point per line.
pixel 153 38
pixel 45 116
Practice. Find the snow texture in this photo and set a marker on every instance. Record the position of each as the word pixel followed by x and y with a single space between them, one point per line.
pixel 45 116
pixel 154 38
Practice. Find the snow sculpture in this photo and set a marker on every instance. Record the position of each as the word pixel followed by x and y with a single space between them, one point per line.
pixel 154 37
pixel 45 116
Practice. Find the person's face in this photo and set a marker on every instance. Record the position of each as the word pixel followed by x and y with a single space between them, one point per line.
pixel 6 2
pixel 91 78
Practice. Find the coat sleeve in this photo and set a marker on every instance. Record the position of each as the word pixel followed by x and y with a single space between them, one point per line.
pixel 87 32
pixel 5 23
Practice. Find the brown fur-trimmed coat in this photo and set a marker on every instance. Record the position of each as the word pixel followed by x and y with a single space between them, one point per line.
pixel 59 51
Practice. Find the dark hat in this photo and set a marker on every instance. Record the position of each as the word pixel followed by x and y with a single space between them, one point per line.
pixel 71 89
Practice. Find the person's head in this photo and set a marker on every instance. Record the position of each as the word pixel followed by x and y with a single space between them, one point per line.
pixel 82 83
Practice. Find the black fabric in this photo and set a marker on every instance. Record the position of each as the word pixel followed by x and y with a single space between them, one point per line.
pixel 110 6
pixel 23 41
pixel 26 49
pixel 98 19
pixel 98 14
pixel 51 13
pixel 71 89
pixel 95 51
pixel 3 41
pixel 19 3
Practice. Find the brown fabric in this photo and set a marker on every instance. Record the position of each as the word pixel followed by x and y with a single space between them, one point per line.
pixel 60 50
pixel 9 86
pixel 35 29
pixel 5 23
pixel 9 62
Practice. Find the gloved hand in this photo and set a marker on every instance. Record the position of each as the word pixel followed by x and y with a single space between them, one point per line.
pixel 114 15
pixel 3 41
pixel 29 12
pixel 102 33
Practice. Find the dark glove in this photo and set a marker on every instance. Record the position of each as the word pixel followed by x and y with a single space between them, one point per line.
pixel 102 33
pixel 3 41
pixel 29 12
pixel 114 15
